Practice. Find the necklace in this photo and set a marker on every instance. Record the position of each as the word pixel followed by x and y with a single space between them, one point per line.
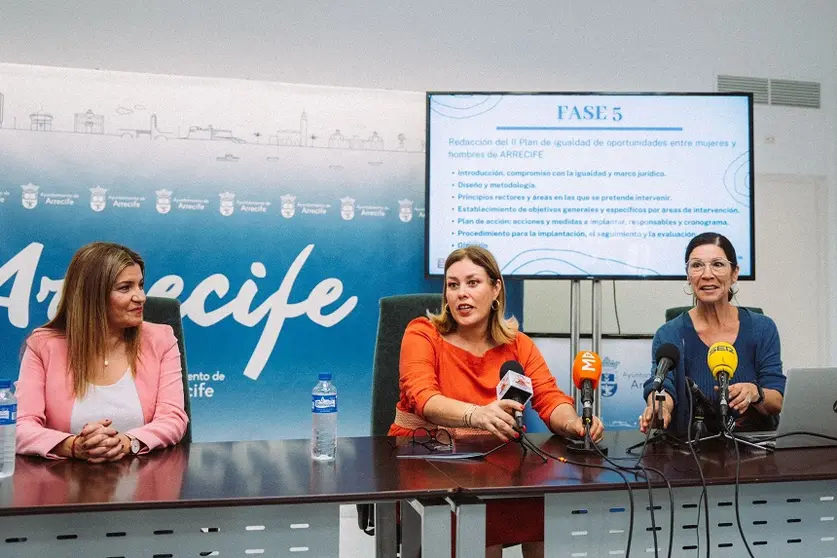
pixel 114 349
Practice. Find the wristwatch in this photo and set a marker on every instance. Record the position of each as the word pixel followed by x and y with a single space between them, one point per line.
pixel 135 444
pixel 760 400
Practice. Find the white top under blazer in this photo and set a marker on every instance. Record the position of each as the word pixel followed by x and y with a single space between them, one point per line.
pixel 118 402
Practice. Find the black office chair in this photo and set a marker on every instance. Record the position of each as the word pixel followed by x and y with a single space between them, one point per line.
pixel 160 310
pixel 672 313
pixel 396 312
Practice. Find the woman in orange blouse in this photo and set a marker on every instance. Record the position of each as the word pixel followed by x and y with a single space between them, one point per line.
pixel 449 369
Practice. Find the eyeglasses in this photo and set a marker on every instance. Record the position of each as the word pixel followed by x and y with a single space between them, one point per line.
pixel 432 439
pixel 718 266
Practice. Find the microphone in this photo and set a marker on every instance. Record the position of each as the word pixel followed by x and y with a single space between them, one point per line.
pixel 700 398
pixel 723 360
pixel 515 385
pixel 587 370
pixel 666 357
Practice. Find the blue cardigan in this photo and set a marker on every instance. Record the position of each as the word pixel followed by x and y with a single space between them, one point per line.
pixel 759 360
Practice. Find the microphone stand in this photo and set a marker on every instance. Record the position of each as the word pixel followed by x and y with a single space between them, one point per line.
pixel 660 435
pixel 699 429
pixel 528 445
pixel 584 446
pixel 725 433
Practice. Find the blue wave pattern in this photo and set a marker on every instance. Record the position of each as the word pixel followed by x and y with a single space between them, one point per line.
pixel 464 106
pixel 554 261
pixel 737 179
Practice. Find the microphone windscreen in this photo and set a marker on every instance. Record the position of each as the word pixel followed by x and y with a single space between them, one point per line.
pixel 511 366
pixel 587 366
pixel 668 351
pixel 722 358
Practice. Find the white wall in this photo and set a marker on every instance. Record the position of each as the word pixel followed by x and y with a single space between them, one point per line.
pixel 536 45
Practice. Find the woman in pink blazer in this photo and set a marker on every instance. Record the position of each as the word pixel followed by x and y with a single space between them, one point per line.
pixel 96 382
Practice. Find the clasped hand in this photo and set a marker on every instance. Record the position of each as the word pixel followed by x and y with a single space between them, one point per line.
pixel 99 442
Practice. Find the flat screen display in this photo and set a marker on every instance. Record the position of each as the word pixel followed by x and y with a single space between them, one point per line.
pixel 588 185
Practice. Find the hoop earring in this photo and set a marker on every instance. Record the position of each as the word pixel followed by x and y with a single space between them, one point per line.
pixel 733 292
pixel 497 303
pixel 687 288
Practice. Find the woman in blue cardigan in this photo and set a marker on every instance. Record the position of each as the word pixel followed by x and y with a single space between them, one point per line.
pixel 757 387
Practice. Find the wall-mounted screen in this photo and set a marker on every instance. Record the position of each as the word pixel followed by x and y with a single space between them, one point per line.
pixel 588 185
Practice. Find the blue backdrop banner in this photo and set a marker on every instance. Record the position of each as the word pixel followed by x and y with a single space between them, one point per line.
pixel 278 214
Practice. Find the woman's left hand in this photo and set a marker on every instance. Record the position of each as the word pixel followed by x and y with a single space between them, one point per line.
pixel 99 442
pixel 742 395
pixel 575 428
pixel 116 451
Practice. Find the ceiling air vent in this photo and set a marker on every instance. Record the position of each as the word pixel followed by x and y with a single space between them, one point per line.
pixel 789 93
pixel 779 92
pixel 759 87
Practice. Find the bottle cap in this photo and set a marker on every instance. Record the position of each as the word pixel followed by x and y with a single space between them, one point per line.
pixel 5 384
pixel 323 376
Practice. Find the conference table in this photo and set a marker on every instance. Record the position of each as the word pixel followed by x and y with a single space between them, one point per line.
pixel 786 499
pixel 237 499
pixel 269 498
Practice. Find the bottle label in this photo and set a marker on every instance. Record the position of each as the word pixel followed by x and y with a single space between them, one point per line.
pixel 323 403
pixel 8 414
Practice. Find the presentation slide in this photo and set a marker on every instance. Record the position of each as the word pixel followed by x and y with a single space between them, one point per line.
pixel 588 185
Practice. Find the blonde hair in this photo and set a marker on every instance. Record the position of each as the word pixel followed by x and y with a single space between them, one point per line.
pixel 82 316
pixel 500 329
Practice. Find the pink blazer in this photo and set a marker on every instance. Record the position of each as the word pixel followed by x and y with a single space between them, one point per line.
pixel 45 392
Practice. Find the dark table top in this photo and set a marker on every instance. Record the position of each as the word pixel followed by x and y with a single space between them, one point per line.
pixel 366 470
pixel 507 471
pixel 218 474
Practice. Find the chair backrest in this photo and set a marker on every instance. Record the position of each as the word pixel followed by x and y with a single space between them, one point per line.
pixel 672 313
pixel 160 310
pixel 396 312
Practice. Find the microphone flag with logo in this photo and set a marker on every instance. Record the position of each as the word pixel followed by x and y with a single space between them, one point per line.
pixel 587 371
pixel 515 385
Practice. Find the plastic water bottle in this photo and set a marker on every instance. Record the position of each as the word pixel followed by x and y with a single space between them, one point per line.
pixel 324 419
pixel 8 428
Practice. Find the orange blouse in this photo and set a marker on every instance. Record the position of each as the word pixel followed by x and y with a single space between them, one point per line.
pixel 431 366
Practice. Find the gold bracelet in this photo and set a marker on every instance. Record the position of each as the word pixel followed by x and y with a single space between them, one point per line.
pixel 466 418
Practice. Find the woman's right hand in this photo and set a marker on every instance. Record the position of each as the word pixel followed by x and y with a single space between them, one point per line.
pixel 648 417
pixel 497 418
pixel 98 442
